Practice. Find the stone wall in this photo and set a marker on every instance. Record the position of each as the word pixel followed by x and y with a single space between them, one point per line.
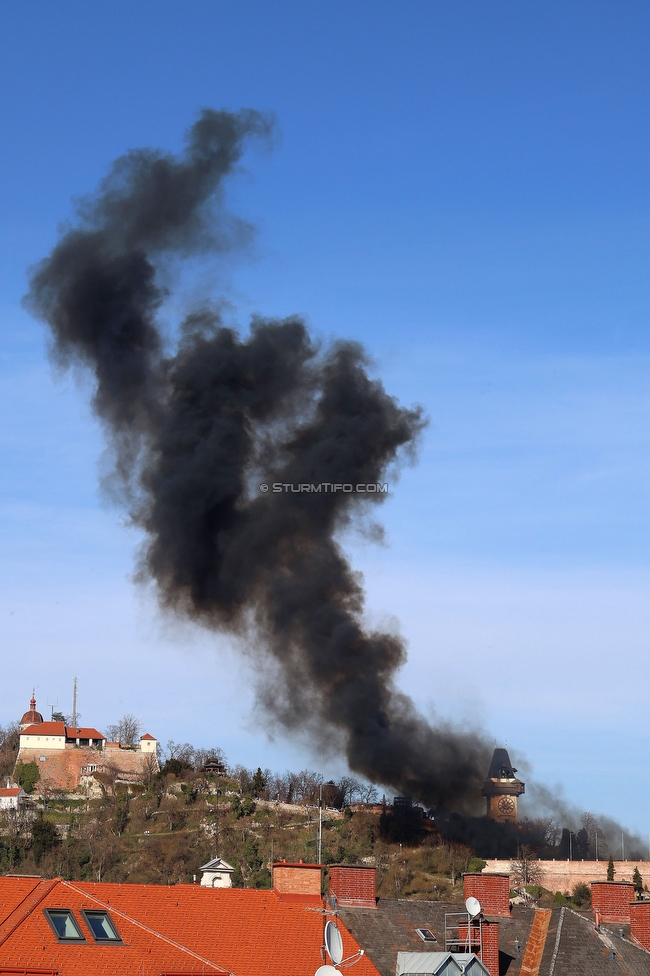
pixel 564 875
pixel 67 769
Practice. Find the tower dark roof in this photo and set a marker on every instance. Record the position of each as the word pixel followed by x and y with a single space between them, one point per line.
pixel 501 767
pixel 501 779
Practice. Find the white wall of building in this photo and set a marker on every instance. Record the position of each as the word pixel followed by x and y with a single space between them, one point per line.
pixel 42 741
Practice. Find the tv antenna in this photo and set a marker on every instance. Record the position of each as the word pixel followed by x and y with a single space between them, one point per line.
pixel 53 705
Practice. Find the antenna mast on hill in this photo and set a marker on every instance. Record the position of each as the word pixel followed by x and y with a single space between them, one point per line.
pixel 52 705
pixel 74 703
pixel 320 814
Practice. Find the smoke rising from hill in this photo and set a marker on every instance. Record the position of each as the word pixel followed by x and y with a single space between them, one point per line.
pixel 194 434
pixel 612 836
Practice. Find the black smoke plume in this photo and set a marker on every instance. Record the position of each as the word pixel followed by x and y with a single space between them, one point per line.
pixel 195 433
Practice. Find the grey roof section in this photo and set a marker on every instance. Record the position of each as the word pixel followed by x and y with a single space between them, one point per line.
pixel 573 947
pixel 217 864
pixel 439 964
pixel 427 963
pixel 390 928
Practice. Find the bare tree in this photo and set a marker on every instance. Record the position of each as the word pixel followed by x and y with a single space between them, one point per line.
pixel 126 732
pixel 16 824
pixel 149 769
pixel 108 778
pixel 548 829
pixel 402 875
pixel 525 868
pixel 242 776
pixel 9 740
pixel 101 843
pixel 597 845
pixel 279 788
pixel 181 751
pixel 203 756
pixel 305 785
pixel 350 787
pixel 173 811
pixel 456 859
pixel 368 793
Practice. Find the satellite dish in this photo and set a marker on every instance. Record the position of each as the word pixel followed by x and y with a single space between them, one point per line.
pixel 333 944
pixel 473 906
pixel 327 971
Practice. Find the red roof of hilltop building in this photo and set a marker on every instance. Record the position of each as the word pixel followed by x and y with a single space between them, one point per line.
pixel 45 728
pixel 83 733
pixel 59 728
pixel 153 930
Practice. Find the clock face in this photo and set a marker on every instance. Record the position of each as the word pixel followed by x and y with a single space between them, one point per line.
pixel 506 805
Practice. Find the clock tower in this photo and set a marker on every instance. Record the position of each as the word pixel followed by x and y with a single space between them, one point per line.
pixel 501 788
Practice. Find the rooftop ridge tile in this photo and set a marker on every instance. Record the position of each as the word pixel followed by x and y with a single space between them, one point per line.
pixel 536 943
pixel 25 908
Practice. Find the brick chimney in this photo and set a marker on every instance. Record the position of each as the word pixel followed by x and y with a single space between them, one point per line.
pixel 297 882
pixel 490 946
pixel 488 950
pixel 492 891
pixel 354 887
pixel 611 899
pixel 640 923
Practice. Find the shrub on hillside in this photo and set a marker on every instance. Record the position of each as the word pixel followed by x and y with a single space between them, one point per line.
pixel 44 838
pixel 27 776
pixel 581 895
pixel 476 864
pixel 243 806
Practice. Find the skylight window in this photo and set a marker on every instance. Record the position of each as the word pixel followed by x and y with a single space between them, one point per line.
pixel 101 926
pixel 64 925
pixel 426 935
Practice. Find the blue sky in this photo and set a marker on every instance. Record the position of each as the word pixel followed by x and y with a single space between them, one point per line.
pixel 463 187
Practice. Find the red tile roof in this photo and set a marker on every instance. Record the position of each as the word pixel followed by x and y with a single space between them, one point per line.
pixel 147 736
pixel 166 929
pixel 21 971
pixel 45 728
pixel 26 939
pixel 10 790
pixel 59 728
pixel 77 733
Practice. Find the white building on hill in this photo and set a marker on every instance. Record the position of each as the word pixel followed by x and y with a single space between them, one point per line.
pixel 68 757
